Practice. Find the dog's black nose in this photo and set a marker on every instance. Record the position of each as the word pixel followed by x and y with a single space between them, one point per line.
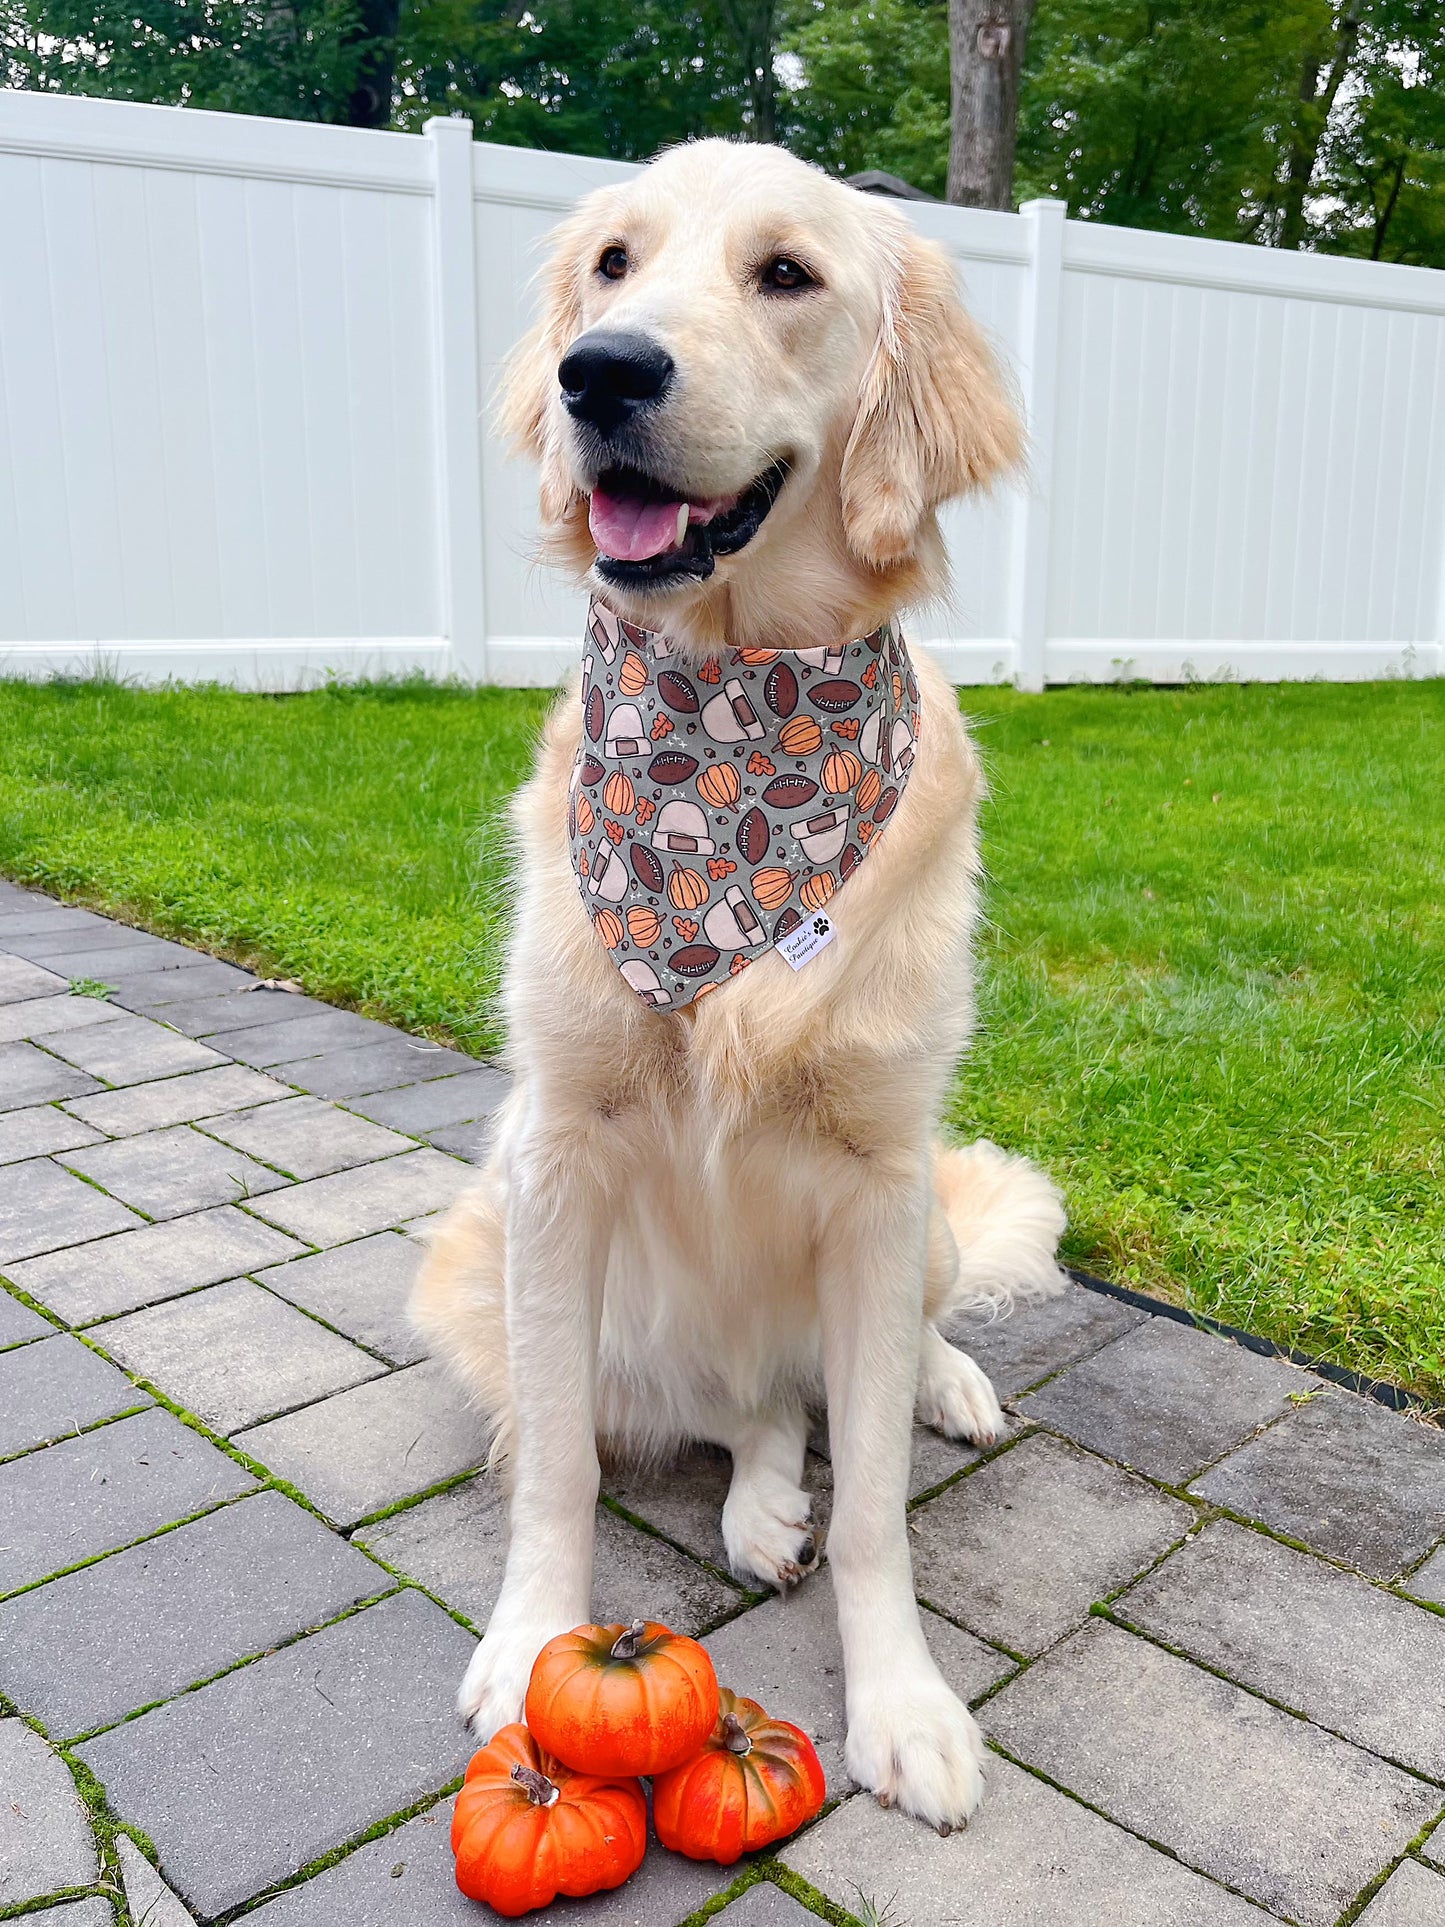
pixel 608 375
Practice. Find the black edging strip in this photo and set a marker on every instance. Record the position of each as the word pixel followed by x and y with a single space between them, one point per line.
pixel 1393 1396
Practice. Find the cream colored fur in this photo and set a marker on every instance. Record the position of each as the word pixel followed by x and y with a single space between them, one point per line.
pixel 697 1225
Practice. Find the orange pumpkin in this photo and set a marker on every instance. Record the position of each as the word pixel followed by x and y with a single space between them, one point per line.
pixel 817 890
pixel 618 794
pixel 622 1699
pixel 608 926
pixel 772 887
pixel 869 790
pixel 897 690
pixel 586 818
pixel 801 737
pixel 644 926
pixel 526 1828
pixel 632 676
pixel 686 888
pixel 756 1780
pixel 757 658
pixel 720 785
pixel 841 770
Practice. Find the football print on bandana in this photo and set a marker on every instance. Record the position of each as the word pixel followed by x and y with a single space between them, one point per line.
pixel 714 806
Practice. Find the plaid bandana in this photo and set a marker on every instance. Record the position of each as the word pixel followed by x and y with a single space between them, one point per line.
pixel 715 814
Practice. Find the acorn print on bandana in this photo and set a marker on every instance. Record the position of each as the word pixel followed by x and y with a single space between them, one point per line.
pixel 709 812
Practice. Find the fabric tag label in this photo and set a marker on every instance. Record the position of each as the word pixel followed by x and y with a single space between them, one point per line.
pixel 800 946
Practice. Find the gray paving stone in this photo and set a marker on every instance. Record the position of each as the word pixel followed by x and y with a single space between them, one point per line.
pixel 1166 1399
pixel 92 1912
pixel 683 1499
pixel 306 1137
pixel 53 1389
pixel 1428 1581
pixel 18 1323
pixel 114 961
pixel 391 1060
pixel 1040 1337
pixel 787 1654
pixel 408 1879
pixel 150 1900
pixel 89 1495
pixel 75 930
pixel 1022 1548
pixel 1345 1476
pixel 1413 1896
pixel 362 1289
pixel 142 1625
pixel 420 1108
pixel 142 1267
pixel 21 980
pixel 372 1197
pixel 1350 1657
pixel 366 1448
pixel 30 1076
pixel 46 1017
pixel 766 1906
pixel 178 1100
pixel 233 1354
pixel 157 987
pixel 223 1011
pixel 36 1132
pixel 168 1173
pixel 1434 1848
pixel 45 1840
pixel 455 1545
pixel 43 1208
pixel 303 1750
pixel 470 1141
pixel 1029 1858
pixel 1198 1764
pixel 132 1050
pixel 45 914
pixel 284 1039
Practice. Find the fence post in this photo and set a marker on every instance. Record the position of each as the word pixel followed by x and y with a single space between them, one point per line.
pixel 1039 375
pixel 458 396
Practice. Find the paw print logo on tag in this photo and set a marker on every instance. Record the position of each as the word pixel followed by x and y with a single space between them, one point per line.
pixel 821 926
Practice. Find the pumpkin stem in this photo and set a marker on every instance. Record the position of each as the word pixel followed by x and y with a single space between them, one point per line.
pixel 541 1791
pixel 628 1642
pixel 735 1737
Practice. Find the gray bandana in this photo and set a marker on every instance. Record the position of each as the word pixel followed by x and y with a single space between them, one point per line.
pixel 715 814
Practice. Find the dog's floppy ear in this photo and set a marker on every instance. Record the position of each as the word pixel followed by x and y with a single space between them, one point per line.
pixel 527 411
pixel 935 418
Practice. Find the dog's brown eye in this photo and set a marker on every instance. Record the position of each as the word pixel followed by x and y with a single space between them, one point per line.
pixel 786 275
pixel 613 264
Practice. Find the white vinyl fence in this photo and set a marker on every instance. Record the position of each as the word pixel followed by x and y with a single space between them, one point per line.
pixel 244 368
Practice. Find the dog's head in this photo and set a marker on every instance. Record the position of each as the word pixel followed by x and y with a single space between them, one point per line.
pixel 749 391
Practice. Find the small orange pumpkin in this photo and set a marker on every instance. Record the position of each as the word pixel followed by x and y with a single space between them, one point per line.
pixel 818 889
pixel 801 737
pixel 644 926
pixel 632 676
pixel 618 794
pixel 869 790
pixel 772 887
pixel 897 690
pixel 527 1828
pixel 608 926
pixel 720 785
pixel 841 770
pixel 756 1780
pixel 622 1699
pixel 686 888
pixel 758 658
pixel 586 818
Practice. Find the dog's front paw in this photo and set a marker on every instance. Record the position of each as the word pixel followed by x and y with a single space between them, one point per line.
pixel 955 1397
pixel 495 1684
pixel 767 1533
pixel 916 1746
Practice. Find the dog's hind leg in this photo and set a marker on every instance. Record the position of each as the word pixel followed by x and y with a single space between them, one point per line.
pixel 766 1517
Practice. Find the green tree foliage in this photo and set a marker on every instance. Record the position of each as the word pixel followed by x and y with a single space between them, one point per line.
pixel 1290 123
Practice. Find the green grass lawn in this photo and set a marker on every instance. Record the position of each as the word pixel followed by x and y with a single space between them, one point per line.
pixel 1213 978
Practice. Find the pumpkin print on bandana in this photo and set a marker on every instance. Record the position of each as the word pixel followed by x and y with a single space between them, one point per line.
pixel 714 806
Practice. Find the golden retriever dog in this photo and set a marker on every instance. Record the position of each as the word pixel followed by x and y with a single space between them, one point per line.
pixel 749 391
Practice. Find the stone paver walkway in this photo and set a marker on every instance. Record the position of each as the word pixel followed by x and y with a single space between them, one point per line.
pixel 1195 1596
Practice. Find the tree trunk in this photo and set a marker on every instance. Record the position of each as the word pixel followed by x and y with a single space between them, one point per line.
pixel 1383 218
pixel 1316 103
pixel 370 102
pixel 753 25
pixel 986 41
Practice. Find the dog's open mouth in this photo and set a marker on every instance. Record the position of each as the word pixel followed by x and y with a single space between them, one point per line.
pixel 647 532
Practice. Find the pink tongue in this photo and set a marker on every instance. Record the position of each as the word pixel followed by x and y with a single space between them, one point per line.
pixel 629 530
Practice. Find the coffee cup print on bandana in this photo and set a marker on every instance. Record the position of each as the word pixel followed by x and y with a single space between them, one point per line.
pixel 609 875
pixel 870 739
pixel 902 746
pixel 731 924
pixel 643 979
pixel 682 828
pixel 821 837
pixel 606 631
pixel 830 661
pixel 625 733
pixel 729 716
